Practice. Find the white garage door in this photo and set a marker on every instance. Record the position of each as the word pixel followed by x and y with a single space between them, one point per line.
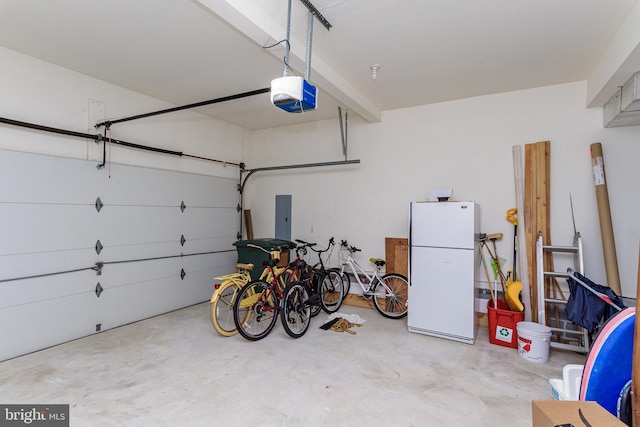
pixel 72 265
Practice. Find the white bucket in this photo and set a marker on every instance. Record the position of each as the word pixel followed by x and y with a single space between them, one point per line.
pixel 533 341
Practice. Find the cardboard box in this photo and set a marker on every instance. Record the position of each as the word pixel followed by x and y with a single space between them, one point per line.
pixel 551 413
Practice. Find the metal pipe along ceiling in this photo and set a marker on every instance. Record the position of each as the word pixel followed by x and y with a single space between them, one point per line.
pixel 108 123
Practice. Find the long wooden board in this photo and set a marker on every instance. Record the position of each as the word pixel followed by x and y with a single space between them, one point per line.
pixel 537 211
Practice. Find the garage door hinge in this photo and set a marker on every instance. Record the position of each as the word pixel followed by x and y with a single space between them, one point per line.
pixel 99 204
pixel 98 290
pixel 182 206
pixel 182 240
pixel 99 247
pixel 98 268
pixel 182 274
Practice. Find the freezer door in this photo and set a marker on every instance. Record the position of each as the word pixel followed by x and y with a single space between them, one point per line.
pixel 441 295
pixel 443 224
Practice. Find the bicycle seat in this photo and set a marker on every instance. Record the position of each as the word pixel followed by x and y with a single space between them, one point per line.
pixel 270 262
pixel 299 263
pixel 242 266
pixel 377 261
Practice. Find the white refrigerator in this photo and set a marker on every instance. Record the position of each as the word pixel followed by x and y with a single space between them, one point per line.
pixel 443 256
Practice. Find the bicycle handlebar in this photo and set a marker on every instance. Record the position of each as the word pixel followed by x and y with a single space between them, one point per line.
pixel 305 243
pixel 320 251
pixel 266 251
pixel 302 249
pixel 352 249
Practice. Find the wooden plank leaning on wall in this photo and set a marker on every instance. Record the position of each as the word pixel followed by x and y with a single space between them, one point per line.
pixel 537 185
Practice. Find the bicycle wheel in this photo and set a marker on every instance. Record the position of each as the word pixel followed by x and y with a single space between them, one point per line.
pixel 222 309
pixel 254 310
pixel 296 313
pixel 391 295
pixel 330 290
pixel 346 283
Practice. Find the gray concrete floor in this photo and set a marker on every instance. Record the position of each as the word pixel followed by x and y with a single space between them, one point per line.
pixel 175 370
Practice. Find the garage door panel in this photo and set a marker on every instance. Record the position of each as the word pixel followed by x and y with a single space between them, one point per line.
pixel 119 251
pixel 130 225
pixel 29 291
pixel 203 244
pixel 47 179
pixel 133 186
pixel 42 324
pixel 33 228
pixel 123 274
pixel 222 192
pixel 13 266
pixel 125 304
pixel 210 222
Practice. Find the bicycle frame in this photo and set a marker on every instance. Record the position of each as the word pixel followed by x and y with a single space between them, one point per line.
pixel 356 270
pixel 273 276
pixel 264 296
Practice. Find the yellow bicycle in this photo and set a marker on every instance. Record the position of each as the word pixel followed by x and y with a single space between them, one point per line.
pixel 225 293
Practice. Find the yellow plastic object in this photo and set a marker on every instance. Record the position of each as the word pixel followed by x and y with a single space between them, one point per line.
pixel 512 296
pixel 511 216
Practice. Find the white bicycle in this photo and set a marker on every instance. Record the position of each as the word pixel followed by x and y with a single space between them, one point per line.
pixel 389 292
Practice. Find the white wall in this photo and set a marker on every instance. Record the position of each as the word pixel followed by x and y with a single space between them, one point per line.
pixel 465 144
pixel 39 92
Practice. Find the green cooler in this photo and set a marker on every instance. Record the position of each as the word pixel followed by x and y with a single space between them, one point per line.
pixel 255 256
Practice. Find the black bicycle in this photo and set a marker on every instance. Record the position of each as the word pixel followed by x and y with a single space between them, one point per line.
pixel 327 283
pixel 300 271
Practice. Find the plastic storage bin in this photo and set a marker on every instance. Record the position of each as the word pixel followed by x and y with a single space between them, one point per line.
pixel 502 324
pixel 567 388
pixel 255 256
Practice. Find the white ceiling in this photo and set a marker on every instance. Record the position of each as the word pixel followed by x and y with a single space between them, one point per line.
pixel 186 51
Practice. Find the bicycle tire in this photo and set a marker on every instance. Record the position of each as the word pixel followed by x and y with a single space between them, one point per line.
pixel 393 305
pixel 255 310
pixel 346 283
pixel 330 289
pixel 296 312
pixel 222 309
